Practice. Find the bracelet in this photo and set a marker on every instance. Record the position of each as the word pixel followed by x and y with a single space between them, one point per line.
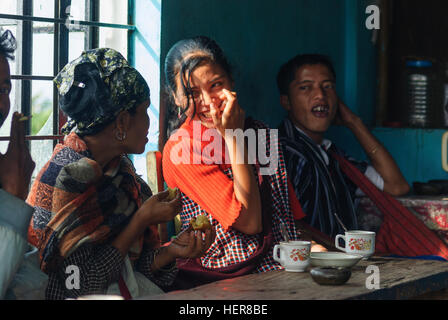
pixel 374 150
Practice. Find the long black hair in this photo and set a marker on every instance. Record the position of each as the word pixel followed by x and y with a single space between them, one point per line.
pixel 182 59
pixel 8 45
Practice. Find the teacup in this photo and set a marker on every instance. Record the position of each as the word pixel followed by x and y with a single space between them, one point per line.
pixel 357 242
pixel 294 256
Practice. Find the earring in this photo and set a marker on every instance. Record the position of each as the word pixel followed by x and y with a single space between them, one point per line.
pixel 178 113
pixel 120 136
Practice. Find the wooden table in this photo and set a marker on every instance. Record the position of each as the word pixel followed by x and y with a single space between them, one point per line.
pixel 399 279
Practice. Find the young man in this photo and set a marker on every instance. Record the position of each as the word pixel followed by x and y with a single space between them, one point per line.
pixel 324 179
pixel 16 167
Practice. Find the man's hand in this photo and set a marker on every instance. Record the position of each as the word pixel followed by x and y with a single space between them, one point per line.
pixel 16 165
pixel 344 116
pixel 394 182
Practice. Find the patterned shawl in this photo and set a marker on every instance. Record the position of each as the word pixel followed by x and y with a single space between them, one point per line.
pixel 322 190
pixel 76 203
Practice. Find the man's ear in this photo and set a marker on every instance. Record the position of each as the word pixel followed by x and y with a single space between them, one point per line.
pixel 284 101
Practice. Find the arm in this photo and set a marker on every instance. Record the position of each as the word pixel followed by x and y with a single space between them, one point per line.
pixel 16 167
pixel 246 190
pixel 159 264
pixel 15 216
pixel 394 182
pixel 153 211
pixel 245 184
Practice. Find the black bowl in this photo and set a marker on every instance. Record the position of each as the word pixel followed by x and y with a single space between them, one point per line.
pixel 330 275
pixel 442 184
pixel 427 189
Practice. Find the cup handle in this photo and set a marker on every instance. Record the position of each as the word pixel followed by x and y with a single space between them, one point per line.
pixel 276 249
pixel 336 242
pixel 444 151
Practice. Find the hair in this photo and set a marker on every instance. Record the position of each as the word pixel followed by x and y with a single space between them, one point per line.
pixel 287 71
pixel 8 45
pixel 182 59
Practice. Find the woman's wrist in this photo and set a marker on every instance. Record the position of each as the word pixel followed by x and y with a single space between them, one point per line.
pixel 237 149
pixel 127 237
pixel 163 257
pixel 140 218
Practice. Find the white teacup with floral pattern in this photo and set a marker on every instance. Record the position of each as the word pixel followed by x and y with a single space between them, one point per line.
pixel 293 255
pixel 357 242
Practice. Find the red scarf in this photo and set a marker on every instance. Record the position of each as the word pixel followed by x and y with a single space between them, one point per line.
pixel 401 232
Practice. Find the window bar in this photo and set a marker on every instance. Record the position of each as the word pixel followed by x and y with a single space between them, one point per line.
pixel 30 77
pixel 27 49
pixel 55 71
pixel 64 20
pixel 94 15
pixel 63 51
pixel 131 33
pixel 27 138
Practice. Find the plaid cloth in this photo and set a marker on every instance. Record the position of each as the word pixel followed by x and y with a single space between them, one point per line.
pixel 99 266
pixel 75 203
pixel 231 246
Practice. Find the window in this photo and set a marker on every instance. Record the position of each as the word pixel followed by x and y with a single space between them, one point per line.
pixel 49 34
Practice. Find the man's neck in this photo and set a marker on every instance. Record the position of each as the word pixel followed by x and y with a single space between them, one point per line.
pixel 316 137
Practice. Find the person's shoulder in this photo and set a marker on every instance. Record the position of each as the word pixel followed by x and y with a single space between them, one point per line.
pixel 255 123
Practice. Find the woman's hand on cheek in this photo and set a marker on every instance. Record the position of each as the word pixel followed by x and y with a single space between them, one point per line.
pixel 232 114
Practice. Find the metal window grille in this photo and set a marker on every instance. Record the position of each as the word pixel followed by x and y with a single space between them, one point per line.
pixel 60 25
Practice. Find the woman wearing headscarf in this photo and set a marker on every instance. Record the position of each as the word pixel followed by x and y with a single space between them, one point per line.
pixel 94 219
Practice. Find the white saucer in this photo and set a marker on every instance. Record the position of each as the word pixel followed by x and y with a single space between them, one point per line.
pixel 334 259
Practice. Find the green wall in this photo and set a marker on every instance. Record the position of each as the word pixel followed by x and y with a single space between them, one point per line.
pixel 259 35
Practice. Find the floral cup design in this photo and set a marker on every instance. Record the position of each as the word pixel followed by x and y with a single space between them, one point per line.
pixel 360 244
pixel 299 254
pixel 357 242
pixel 294 256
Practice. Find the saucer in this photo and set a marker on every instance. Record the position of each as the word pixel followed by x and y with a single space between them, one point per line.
pixel 334 259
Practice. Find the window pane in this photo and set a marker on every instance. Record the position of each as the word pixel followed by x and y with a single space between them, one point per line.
pixel 43 44
pixel 113 11
pixel 42 107
pixel 43 8
pixel 77 43
pixel 114 38
pixel 5 130
pixel 41 122
pixel 78 10
pixel 9 7
pixel 41 151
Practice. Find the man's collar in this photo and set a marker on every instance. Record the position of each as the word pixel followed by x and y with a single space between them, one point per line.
pixel 326 144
